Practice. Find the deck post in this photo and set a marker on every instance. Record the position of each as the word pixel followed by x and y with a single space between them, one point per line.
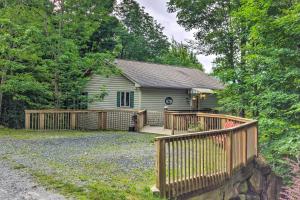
pixel 229 153
pixel 100 118
pixel 245 146
pixel 173 124
pixel 42 121
pixel 222 123
pixel 161 167
pixel 165 116
pixel 256 138
pixel 104 118
pixel 139 121
pixel 27 120
pixel 73 120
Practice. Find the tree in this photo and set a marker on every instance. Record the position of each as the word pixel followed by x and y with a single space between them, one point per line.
pixel 142 38
pixel 273 75
pixel 179 55
pixel 257 48
pixel 217 33
pixel 21 68
pixel 45 53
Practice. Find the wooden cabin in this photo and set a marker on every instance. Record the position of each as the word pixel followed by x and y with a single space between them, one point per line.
pixel 154 87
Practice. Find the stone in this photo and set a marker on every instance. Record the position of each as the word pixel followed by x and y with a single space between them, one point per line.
pixel 211 195
pixel 242 188
pixel 274 187
pixel 242 197
pixel 257 181
pixel 249 197
pixel 235 198
pixel 262 166
pixel 155 191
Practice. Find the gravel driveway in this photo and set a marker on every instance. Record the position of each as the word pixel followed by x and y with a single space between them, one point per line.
pixel 16 184
pixel 118 160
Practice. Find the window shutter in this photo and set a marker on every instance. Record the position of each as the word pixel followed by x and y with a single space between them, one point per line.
pixel 131 99
pixel 118 99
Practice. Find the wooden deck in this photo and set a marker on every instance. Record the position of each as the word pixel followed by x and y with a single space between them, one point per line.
pixel 185 162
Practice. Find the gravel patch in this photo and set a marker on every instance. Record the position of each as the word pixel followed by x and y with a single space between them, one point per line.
pixel 110 158
pixel 17 184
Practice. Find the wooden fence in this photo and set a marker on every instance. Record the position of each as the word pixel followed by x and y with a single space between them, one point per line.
pixel 182 122
pixel 203 160
pixel 85 119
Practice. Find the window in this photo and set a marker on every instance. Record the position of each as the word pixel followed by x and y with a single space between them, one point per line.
pixel 125 99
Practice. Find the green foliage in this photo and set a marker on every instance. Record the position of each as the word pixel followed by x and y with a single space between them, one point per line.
pixel 179 55
pixel 196 127
pixel 46 50
pixel 142 37
pixel 258 58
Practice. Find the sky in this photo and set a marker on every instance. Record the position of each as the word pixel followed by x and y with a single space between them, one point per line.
pixel 158 9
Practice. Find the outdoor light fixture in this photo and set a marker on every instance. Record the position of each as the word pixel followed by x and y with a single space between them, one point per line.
pixel 203 96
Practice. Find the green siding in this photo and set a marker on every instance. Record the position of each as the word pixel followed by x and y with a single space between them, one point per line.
pixel 113 85
pixel 154 99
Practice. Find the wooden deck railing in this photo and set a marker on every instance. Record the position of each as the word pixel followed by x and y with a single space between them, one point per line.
pixel 141 119
pixel 84 119
pixel 181 122
pixel 202 160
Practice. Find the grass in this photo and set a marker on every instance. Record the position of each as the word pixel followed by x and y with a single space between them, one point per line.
pixel 83 175
pixel 36 135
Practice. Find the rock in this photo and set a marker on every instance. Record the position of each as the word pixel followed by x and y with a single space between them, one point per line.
pixel 155 191
pixel 249 197
pixel 262 166
pixel 256 181
pixel 242 188
pixel 242 197
pixel 274 186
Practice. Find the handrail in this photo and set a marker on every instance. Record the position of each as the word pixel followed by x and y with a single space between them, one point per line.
pixel 207 133
pixel 97 119
pixel 202 160
pixel 83 110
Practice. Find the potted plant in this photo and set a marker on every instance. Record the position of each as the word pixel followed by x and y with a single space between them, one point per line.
pixel 195 127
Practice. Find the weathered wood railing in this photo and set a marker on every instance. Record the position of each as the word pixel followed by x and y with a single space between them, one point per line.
pixel 180 122
pixel 199 161
pixel 141 119
pixel 119 119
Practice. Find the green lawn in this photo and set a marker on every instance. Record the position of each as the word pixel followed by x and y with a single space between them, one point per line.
pixel 84 165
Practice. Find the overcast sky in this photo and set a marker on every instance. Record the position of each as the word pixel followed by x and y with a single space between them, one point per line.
pixel 158 9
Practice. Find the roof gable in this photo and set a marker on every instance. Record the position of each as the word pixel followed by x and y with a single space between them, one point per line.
pixel 166 76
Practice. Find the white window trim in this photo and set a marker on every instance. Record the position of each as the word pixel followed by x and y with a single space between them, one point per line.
pixel 129 96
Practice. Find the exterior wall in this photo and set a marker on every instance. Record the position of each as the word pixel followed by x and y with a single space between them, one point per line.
pixel 113 84
pixel 210 102
pixel 153 99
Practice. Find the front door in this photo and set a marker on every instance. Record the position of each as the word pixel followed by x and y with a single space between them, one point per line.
pixel 195 101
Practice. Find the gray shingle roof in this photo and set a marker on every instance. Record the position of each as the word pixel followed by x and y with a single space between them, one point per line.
pixel 166 76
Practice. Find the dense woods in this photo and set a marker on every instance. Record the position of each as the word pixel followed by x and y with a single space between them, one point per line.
pixel 47 46
pixel 258 58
